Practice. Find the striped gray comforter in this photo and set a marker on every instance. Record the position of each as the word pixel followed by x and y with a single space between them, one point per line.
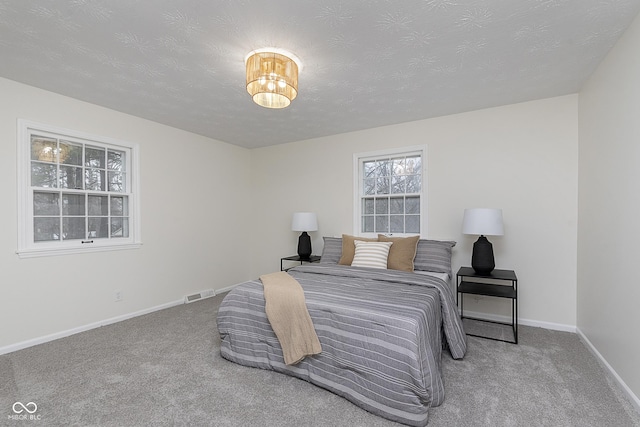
pixel 381 333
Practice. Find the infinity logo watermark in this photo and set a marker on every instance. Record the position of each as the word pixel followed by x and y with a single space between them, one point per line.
pixel 22 411
pixel 22 407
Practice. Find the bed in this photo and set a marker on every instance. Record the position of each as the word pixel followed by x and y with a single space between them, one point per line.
pixel 382 332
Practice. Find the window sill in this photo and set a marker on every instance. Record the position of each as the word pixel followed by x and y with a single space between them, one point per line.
pixel 35 253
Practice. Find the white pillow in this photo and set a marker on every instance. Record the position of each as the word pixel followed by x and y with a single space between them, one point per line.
pixel 371 254
pixel 443 276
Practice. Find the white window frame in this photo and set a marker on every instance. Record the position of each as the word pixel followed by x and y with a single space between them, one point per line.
pixel 27 248
pixel 358 160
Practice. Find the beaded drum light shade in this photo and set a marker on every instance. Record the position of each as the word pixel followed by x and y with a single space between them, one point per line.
pixel 272 77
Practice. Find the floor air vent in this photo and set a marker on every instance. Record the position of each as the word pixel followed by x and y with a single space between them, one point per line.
pixel 200 295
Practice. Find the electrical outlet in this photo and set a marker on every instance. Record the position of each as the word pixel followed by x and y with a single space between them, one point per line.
pixel 118 296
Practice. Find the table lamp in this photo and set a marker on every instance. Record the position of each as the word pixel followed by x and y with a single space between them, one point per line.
pixel 483 221
pixel 304 221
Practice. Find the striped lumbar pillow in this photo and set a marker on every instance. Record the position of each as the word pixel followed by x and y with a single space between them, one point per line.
pixel 371 254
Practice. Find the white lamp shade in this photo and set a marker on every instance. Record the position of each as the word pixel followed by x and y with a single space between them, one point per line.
pixel 304 221
pixel 483 221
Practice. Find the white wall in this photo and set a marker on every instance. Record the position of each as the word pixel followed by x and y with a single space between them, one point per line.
pixel 193 223
pixel 521 158
pixel 609 208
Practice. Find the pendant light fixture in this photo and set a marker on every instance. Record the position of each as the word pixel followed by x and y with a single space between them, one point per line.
pixel 272 77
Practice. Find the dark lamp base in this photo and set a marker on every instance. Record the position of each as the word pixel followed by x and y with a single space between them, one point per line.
pixel 482 260
pixel 304 246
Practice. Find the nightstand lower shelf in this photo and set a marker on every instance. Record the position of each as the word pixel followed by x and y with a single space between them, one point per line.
pixel 467 286
pixel 495 336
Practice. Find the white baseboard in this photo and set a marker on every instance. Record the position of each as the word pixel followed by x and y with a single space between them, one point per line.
pixel 623 386
pixel 40 340
pixel 521 321
pixel 227 289
pixel 547 325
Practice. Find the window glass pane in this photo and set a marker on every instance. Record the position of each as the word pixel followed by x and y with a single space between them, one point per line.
pixel 46 203
pixel 44 175
pixel 397 223
pixel 382 185
pixel 115 160
pixel 382 205
pixel 412 224
pixel 382 224
pixel 70 154
pixel 99 205
pixel 412 205
pixel 46 229
pixel 368 224
pixel 73 204
pixel 367 206
pixel 119 206
pixel 73 228
pixel 94 179
pixel 369 186
pixel 383 167
pixel 94 157
pixel 413 165
pixel 397 205
pixel 44 149
pixel 398 184
pixel 116 182
pixel 71 177
pixel 399 166
pixel 119 227
pixel 369 169
pixel 414 182
pixel 98 227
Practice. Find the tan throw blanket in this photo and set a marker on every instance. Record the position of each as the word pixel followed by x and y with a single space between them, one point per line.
pixel 287 312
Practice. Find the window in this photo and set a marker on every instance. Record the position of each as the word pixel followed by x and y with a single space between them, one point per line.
pixel 77 192
pixel 390 192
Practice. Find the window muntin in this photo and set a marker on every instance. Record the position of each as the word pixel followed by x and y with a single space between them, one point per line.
pixel 78 192
pixel 390 192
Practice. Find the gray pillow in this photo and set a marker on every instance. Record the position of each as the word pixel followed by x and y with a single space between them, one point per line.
pixel 434 255
pixel 332 250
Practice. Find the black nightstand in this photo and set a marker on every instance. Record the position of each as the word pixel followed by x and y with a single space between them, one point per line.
pixel 467 285
pixel 296 258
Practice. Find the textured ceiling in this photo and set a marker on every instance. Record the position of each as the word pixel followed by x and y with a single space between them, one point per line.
pixel 366 63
